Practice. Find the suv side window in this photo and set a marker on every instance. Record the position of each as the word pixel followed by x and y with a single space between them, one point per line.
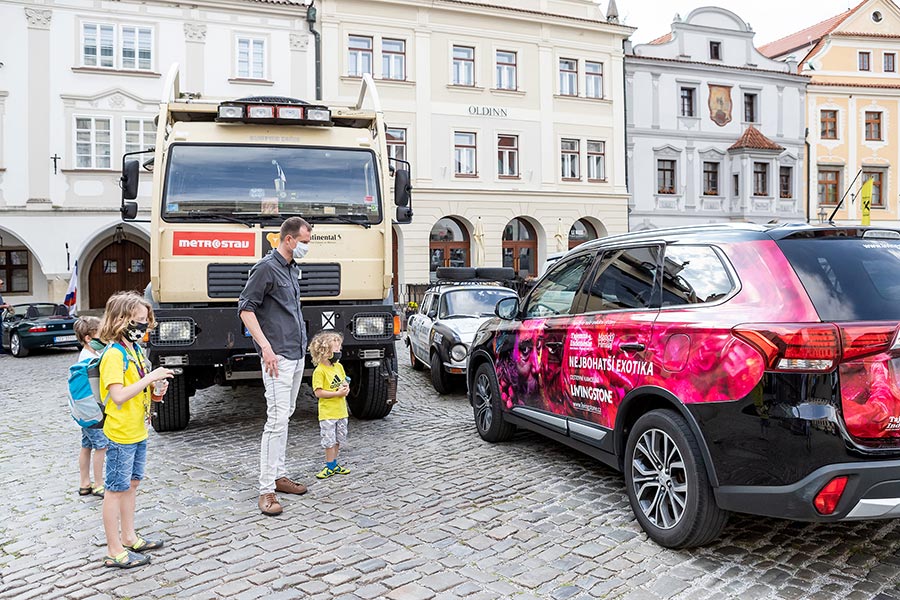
pixel 554 294
pixel 694 275
pixel 624 280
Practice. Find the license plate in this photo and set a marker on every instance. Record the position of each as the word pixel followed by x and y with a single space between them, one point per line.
pixel 64 338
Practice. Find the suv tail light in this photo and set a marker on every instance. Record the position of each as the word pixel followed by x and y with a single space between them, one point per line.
pixel 828 497
pixel 791 347
pixel 864 339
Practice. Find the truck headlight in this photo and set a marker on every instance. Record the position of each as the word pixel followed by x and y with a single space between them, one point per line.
pixel 175 331
pixel 369 326
pixel 458 352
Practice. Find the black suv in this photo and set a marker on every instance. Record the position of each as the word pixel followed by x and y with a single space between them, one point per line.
pixel 722 368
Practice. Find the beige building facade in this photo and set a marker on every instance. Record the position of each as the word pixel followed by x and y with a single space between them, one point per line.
pixel 511 117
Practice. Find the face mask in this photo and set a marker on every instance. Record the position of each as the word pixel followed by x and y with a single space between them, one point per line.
pixel 335 356
pixel 300 250
pixel 135 332
pixel 96 345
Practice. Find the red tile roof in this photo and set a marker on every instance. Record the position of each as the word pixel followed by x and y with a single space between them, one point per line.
pixel 753 139
pixel 662 39
pixel 806 37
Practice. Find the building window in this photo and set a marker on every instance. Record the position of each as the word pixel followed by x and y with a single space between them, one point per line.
pixel 710 179
pixel 865 61
pixel 890 62
pixel 393 59
pixel 687 102
pixel 736 185
pixel 14 265
pixel 760 179
pixel 873 125
pixel 508 155
pixel 877 178
pixel 92 143
pixel 750 109
pixel 596 159
pixel 593 79
pixel 396 143
pixel 570 159
pixel 506 70
pixel 829 186
pixel 715 50
pixel 786 182
pixel 463 65
pixel 449 245
pixel 581 232
pixel 464 154
pixel 828 125
pixel 140 134
pixel 360 56
pixel 100 42
pixel 520 247
pixel 665 176
pixel 251 58
pixel 568 77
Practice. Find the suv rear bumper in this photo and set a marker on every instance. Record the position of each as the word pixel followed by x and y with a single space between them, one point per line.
pixel 872 492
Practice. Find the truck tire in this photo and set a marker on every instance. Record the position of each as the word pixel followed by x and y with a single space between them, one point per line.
pixel 173 413
pixel 368 398
pixel 455 273
pixel 496 273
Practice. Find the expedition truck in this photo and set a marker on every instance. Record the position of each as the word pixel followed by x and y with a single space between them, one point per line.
pixel 225 176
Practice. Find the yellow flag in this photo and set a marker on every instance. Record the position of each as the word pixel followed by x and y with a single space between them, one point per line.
pixel 866 194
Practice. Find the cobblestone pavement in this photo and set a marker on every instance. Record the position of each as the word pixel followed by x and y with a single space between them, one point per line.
pixel 430 511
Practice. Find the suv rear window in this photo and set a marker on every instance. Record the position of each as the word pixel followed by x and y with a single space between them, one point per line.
pixel 848 279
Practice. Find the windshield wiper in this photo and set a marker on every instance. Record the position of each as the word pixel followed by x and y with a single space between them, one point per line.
pixel 249 222
pixel 351 219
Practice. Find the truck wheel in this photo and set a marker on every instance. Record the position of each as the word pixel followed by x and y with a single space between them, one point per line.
pixel 438 377
pixel 368 398
pixel 666 481
pixel 16 347
pixel 415 362
pixel 173 413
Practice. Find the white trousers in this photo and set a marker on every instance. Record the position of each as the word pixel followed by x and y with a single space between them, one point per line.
pixel 281 400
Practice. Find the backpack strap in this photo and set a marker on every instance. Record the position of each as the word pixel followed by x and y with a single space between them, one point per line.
pixel 126 360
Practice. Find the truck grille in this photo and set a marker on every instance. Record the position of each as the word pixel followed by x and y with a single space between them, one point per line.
pixel 228 280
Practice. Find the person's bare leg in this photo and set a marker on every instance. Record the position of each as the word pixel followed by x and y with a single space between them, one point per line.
pixel 84 465
pixel 129 537
pixel 112 509
pixel 99 459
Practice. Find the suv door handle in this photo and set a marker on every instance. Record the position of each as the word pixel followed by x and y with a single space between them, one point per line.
pixel 632 346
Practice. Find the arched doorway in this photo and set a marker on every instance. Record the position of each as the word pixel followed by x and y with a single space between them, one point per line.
pixel 449 245
pixel 520 247
pixel 122 265
pixel 581 232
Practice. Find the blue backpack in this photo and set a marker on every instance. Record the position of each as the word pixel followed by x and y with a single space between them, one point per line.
pixel 85 401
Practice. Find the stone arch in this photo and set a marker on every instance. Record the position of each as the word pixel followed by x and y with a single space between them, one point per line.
pixel 97 243
pixel 449 243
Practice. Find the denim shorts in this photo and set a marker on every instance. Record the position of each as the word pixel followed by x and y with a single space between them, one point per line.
pixel 124 463
pixel 93 438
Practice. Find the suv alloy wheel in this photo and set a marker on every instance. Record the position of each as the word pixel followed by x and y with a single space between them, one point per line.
pixel 488 416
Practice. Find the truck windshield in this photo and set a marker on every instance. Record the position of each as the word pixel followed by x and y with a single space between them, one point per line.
pixel 208 182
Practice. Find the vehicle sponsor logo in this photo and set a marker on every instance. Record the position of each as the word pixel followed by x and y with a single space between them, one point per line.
pixel 893 424
pixel 594 394
pixel 605 340
pixel 616 365
pixel 212 243
pixel 581 341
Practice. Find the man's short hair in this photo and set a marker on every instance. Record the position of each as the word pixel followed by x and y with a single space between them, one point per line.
pixel 293 225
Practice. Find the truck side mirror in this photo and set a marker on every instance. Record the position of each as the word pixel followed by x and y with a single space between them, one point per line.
pixel 404 214
pixel 402 188
pixel 129 180
pixel 129 211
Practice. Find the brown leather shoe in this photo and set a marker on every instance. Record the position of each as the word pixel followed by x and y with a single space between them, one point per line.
pixel 269 505
pixel 286 486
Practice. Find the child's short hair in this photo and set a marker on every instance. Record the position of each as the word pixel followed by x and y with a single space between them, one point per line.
pixel 86 326
pixel 119 309
pixel 320 345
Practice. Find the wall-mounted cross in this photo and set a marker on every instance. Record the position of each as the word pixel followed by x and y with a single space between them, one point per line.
pixel 55 158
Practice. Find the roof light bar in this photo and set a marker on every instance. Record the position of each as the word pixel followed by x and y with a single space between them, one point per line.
pixel 261 111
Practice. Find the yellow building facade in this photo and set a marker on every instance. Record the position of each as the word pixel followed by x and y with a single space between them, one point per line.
pixel 853 110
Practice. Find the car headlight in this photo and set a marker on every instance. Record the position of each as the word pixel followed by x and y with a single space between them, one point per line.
pixel 373 326
pixel 175 331
pixel 458 352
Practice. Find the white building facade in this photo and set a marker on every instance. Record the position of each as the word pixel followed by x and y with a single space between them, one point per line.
pixel 80 85
pixel 511 117
pixel 716 131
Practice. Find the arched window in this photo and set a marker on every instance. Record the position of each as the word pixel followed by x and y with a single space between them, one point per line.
pixel 520 247
pixel 449 246
pixel 581 232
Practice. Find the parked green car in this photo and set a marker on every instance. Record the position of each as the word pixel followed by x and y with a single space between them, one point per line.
pixel 26 327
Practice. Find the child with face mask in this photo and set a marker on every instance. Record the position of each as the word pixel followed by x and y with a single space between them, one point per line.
pixel 93 441
pixel 331 386
pixel 125 380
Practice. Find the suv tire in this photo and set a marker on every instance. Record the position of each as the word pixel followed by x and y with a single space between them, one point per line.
pixel 438 377
pixel 662 451
pixel 413 361
pixel 485 399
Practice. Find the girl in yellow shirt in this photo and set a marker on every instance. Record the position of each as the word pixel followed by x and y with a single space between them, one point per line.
pixel 330 384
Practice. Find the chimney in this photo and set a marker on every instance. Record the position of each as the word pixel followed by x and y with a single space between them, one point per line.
pixel 612 13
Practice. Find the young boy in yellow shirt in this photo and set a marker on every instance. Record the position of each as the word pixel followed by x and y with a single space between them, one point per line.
pixel 330 385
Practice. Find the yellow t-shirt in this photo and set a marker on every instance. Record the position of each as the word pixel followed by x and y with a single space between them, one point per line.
pixel 330 378
pixel 125 424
